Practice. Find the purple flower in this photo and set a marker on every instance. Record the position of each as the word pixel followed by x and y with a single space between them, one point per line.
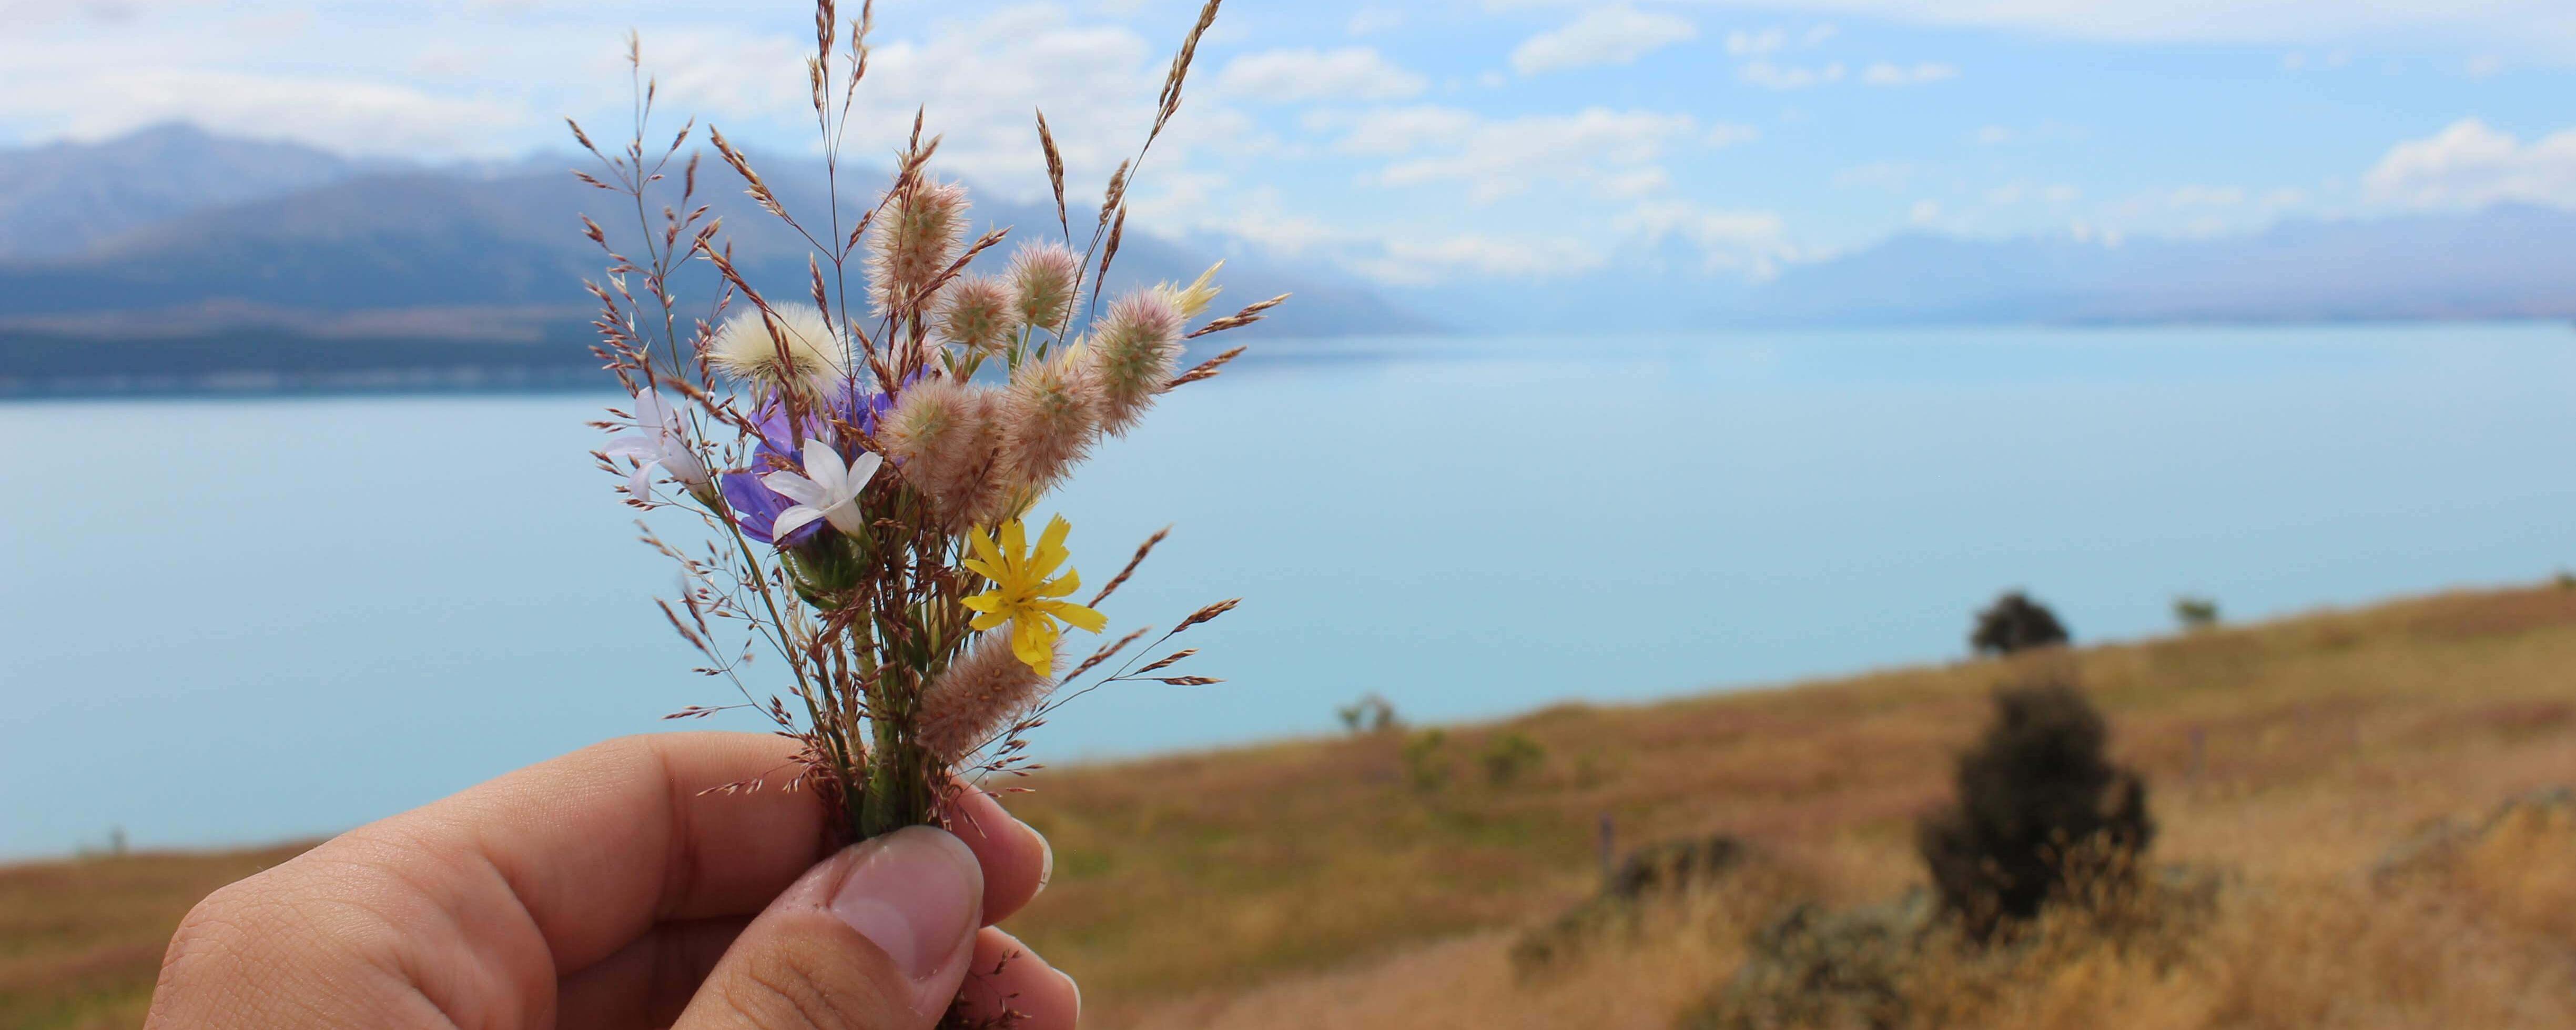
pixel 758 506
pixel 849 404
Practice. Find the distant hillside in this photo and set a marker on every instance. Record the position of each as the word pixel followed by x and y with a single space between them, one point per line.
pixel 63 198
pixel 310 266
pixel 2510 261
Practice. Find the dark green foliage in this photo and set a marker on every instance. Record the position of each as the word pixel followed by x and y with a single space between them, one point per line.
pixel 2015 623
pixel 2038 805
pixel 1656 874
pixel 1424 765
pixel 1675 865
pixel 1815 968
pixel 1372 713
pixel 2195 612
pixel 1509 757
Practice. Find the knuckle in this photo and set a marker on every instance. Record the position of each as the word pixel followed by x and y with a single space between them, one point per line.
pixel 224 925
pixel 793 988
pixel 230 932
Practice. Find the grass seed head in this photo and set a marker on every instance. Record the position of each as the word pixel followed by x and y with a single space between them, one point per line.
pixel 1050 416
pixel 986 689
pixel 790 347
pixel 941 434
pixel 979 312
pixel 913 242
pixel 1135 351
pixel 1048 277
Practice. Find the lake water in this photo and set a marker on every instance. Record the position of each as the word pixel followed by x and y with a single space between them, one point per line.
pixel 234 620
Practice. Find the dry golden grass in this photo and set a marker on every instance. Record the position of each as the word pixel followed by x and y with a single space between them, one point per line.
pixel 2324 739
pixel 1312 884
pixel 81 941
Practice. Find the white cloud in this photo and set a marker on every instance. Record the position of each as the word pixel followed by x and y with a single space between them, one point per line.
pixel 2470 164
pixel 2514 26
pixel 978 81
pixel 1498 158
pixel 1751 243
pixel 1289 235
pixel 1635 182
pixel 1993 134
pixel 349 115
pixel 1755 44
pixel 1369 21
pixel 1885 74
pixel 1303 74
pixel 1422 262
pixel 1746 43
pixel 2523 25
pixel 1887 175
pixel 2205 196
pixel 1609 35
pixel 1399 130
pixel 1771 76
pixel 1727 134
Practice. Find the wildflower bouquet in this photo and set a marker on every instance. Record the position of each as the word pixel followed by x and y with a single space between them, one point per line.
pixel 863 467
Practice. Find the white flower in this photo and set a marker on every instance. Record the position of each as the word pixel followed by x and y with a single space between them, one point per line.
pixel 657 442
pixel 831 492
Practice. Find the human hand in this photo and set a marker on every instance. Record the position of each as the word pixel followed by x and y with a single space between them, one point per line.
pixel 603 889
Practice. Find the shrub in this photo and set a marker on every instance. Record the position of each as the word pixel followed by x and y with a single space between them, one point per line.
pixel 1815 968
pixel 1372 713
pixel 2038 807
pixel 1676 879
pixel 2015 623
pixel 1508 757
pixel 1424 765
pixel 2195 612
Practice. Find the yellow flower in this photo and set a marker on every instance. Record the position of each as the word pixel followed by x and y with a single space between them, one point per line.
pixel 1023 596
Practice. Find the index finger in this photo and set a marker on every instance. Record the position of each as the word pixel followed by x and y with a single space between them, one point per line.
pixel 599 845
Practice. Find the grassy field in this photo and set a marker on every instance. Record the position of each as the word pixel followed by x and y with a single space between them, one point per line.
pixel 1378 880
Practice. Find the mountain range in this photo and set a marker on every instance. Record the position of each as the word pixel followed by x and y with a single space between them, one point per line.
pixel 172 256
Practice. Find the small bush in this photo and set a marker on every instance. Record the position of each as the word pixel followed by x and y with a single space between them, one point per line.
pixel 1816 968
pixel 1509 757
pixel 2038 806
pixel 2195 612
pixel 1673 866
pixel 1425 764
pixel 2566 580
pixel 1664 878
pixel 1372 713
pixel 2015 623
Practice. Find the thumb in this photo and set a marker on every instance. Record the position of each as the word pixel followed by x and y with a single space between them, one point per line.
pixel 875 938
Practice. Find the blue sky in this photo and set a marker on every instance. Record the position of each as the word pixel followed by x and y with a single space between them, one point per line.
pixel 1445 140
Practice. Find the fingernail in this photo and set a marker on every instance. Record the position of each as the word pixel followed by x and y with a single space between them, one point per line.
pixel 1046 868
pixel 917 893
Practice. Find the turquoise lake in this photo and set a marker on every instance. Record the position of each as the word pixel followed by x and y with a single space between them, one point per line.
pixel 239 620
